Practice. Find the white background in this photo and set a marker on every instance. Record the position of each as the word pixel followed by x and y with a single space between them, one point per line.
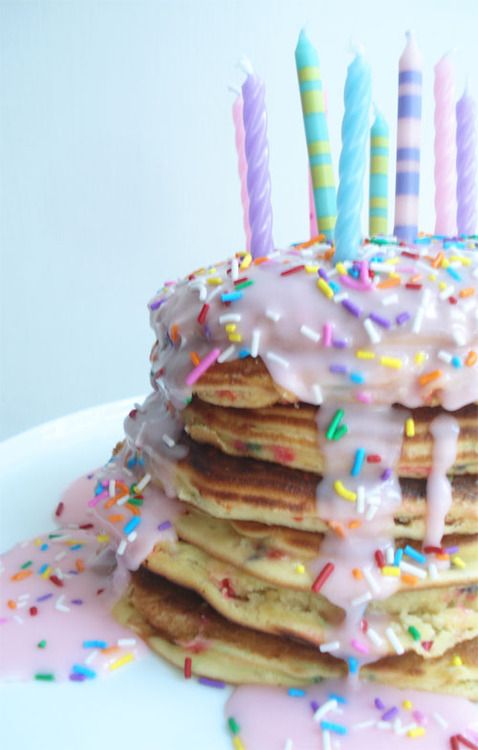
pixel 118 166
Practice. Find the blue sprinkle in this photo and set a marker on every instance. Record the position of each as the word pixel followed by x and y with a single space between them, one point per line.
pixel 338 369
pixel 244 353
pixel 165 525
pixel 358 462
pixel 296 692
pixel 357 377
pixel 456 361
pixel 353 665
pixel 231 296
pixel 99 488
pixel 132 462
pixel 94 644
pixel 336 287
pixel 338 698
pixel 131 525
pixel 44 547
pixel 140 461
pixel 80 669
pixel 337 728
pixel 43 568
pixel 398 556
pixel 410 552
pixel 453 273
pixel 74 547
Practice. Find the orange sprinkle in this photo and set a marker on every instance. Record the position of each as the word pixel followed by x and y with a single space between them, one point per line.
pixel 259 261
pixel 338 529
pixel 429 377
pixel 174 332
pixel 409 579
pixel 110 650
pixel 468 292
pixel 195 358
pixel 312 241
pixel 415 279
pixel 357 574
pixel 388 283
pixel 444 556
pixel 134 510
pixel 354 524
pixel 471 358
pixel 11 604
pixel 79 565
pixel 21 575
pixel 116 517
pixel 438 260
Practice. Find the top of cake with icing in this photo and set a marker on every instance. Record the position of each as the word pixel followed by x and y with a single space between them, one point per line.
pixel 399 325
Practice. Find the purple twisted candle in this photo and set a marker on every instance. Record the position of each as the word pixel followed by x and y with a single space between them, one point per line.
pixel 466 164
pixel 258 177
pixel 445 148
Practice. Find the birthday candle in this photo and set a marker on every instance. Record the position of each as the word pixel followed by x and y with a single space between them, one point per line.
pixel 355 132
pixel 445 148
pixel 257 155
pixel 466 164
pixel 407 185
pixel 312 214
pixel 317 134
pixel 378 198
pixel 237 116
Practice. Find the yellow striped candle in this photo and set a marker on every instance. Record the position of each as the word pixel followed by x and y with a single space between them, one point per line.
pixel 378 194
pixel 316 134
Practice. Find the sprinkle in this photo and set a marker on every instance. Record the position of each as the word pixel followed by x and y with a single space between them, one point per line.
pixel 21 575
pixel 362 599
pixel 414 633
pixel 391 571
pixel 273 357
pixel 410 427
pixel 407 705
pixel 168 441
pixel 393 362
pixel 309 333
pixel 121 642
pixel 394 641
pixel 59 509
pixel 327 648
pixel 237 743
pixel 256 338
pixel 353 665
pixel 408 568
pixel 372 332
pixel 56 581
pixel 429 377
pixel 233 725
pixel 131 525
pixel 374 637
pixel 336 419
pixel 272 315
pixel 299 568
pixel 121 661
pixel 458 562
pixel 416 732
pixel 45 676
pixel 296 692
pixel 226 354
pixel 211 683
pixel 324 574
pixel 94 644
pixel 289 745
pixel 229 318
pixel 360 647
pixel 41 644
pixel 204 365
pixel 402 318
pixel 390 714
pixel 325 288
pixel 290 271
pixel 122 547
pixel 379 320
pixel 344 492
pixel 465 742
pixel 317 394
pixel 351 307
pixel 327 334
pixel 457 661
pixel 371 580
pixel 203 314
pixel 417 556
pixel 336 728
pixel 440 720
pixel 80 669
pixel 471 359
pixel 325 708
pixel 379 558
pixel 187 667
pixel 143 482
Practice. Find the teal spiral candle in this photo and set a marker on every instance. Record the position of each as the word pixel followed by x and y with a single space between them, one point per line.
pixel 353 157
pixel 316 134
pixel 378 193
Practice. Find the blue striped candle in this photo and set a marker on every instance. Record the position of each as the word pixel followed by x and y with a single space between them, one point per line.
pixel 378 193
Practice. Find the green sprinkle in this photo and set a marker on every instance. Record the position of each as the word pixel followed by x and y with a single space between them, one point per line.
pixel 41 644
pixel 54 536
pixel 256 447
pixel 414 633
pixel 45 676
pixel 337 418
pixel 340 432
pixel 233 725
pixel 135 501
pixel 238 287
pixel 26 565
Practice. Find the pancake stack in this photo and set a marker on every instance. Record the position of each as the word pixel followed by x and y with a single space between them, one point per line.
pixel 318 425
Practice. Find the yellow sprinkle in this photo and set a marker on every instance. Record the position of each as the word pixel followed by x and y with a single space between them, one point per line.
pixel 410 427
pixel 235 337
pixel 364 354
pixel 391 362
pixel 246 262
pixel 432 277
pixel 408 705
pixel 121 661
pixel 325 288
pixel 442 285
pixel 391 571
pixel 103 538
pixel 394 275
pixel 341 269
pixel 299 568
pixel 230 327
pixel 393 261
pixel 445 263
pixel 46 573
pixel 214 281
pixel 457 661
pixel 420 358
pixel 344 492
pixel 458 562
pixel 310 268
pixel 417 732
pixel 38 542
pixel 460 259
pixel 238 744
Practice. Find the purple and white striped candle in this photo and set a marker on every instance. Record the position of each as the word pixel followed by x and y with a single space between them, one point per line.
pixel 407 186
pixel 466 164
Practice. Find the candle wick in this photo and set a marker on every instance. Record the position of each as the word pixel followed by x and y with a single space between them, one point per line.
pixel 410 34
pixel 245 64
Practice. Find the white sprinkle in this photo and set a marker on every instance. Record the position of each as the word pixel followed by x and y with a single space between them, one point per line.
pixel 229 318
pixel 123 500
pixel 340 296
pixel 131 537
pixel 256 340
pixel 394 640
pixel 371 580
pixel 440 720
pixel 23 596
pixel 143 483
pixel 226 354
pixel 384 724
pixel 169 441
pixel 112 487
pixel 390 555
pixel 324 709
pixel 214 293
pixel 373 333
pixel 275 316
pixel 445 356
pixel 277 358
pixel 459 336
pixel 448 292
pixel 381 266
pixel 413 569
pixel 317 394
pixel 59 604
pixel 326 648
pixel 418 320
pixel 326 741
pixel 360 499
pixel 91 657
pixel 309 333
pixel 60 555
pixel 202 292
pixel 397 726
pixel 406 728
pixel 371 512
pixel 59 573
pixel 363 599
pixel 21 605
pixel 376 639
pixel 364 724
pixel 390 299
pixel 289 745
pixel 126 642
pixel 234 269
pixel 121 547
pixel 433 571
pixel 18 619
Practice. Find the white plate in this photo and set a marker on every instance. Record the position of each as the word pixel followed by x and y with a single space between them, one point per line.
pixel 146 705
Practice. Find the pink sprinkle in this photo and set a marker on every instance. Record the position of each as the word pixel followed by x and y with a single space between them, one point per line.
pixel 360 647
pixel 364 397
pixel 204 365
pixel 94 501
pixel 327 334
pixel 354 284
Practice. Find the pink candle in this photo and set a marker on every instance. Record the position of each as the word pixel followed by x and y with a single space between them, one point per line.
pixel 237 116
pixel 312 214
pixel 466 164
pixel 445 148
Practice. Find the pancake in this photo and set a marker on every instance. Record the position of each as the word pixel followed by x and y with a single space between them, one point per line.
pixel 177 623
pixel 288 435
pixel 245 489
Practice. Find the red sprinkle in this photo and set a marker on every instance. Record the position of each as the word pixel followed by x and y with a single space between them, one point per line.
pixel 292 270
pixel 430 549
pixel 33 611
pixel 453 300
pixel 57 581
pixel 407 254
pixel 363 625
pixel 86 526
pixel 241 281
pixel 413 286
pixel 227 589
pixel 202 315
pixel 379 558
pixel 59 509
pixel 427 645
pixel 454 742
pixel 374 458
pixel 187 667
pixel 324 574
pixel 465 742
